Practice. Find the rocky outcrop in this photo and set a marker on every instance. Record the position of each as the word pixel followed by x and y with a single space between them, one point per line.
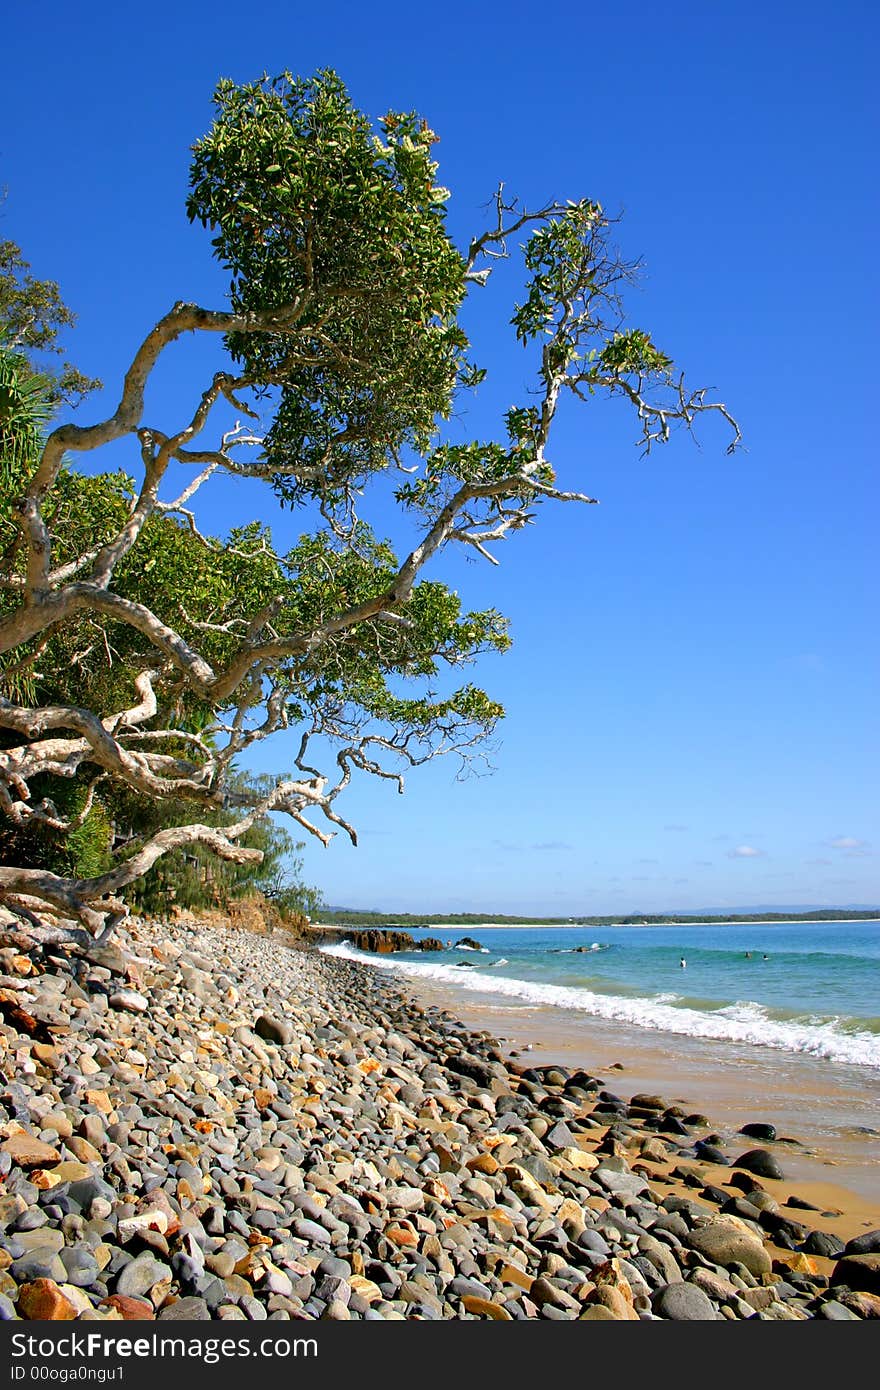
pixel 385 942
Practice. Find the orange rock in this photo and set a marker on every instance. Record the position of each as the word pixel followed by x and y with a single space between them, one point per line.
pixel 499 1223
pixel 263 1098
pixel 597 1312
pixel 401 1233
pixel 485 1308
pixel 131 1309
pixel 438 1190
pixel 367 1290
pixel 99 1099
pixel 203 1127
pixel 483 1163
pixel 46 1055
pixel 796 1261
pixel 606 1296
pixel 43 1301
pixel 29 1152
pixel 512 1274
pixel 492 1141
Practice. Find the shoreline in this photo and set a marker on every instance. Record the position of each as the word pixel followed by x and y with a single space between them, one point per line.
pixel 701 1074
pixel 201 1121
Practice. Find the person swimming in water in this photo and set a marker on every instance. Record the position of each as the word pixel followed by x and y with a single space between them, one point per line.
pixel 682 963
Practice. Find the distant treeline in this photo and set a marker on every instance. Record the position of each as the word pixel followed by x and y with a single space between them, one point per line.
pixel 410 920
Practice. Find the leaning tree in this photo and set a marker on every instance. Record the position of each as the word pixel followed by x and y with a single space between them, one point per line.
pixel 144 657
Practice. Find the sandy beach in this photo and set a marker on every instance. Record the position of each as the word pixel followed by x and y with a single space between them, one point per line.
pixel 832 1111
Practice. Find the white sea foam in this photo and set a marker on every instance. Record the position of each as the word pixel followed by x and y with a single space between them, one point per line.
pixel 741 1022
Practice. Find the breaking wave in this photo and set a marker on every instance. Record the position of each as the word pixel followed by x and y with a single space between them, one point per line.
pixel 833 1039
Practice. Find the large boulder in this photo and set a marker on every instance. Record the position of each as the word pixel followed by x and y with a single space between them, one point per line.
pixel 684 1303
pixel 727 1242
pixel 760 1162
pixel 859 1272
pixel 867 1244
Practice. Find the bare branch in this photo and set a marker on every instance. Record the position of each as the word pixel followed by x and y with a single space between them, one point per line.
pixel 508 221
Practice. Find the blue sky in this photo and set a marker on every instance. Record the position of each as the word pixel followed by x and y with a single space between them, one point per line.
pixel 692 693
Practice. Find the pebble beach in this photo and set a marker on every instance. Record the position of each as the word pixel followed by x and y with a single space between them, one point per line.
pixel 202 1122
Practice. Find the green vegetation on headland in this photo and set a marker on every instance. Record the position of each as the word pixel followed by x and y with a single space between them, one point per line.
pixel 409 920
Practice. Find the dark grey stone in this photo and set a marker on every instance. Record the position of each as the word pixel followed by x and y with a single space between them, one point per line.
pixel 760 1162
pixel 836 1312
pixel 710 1153
pixel 38 1264
pixel 867 1244
pixel 276 1030
pixel 81 1265
pixel 84 1191
pixel 684 1303
pixel 140 1274
pixel 755 1130
pixel 186 1310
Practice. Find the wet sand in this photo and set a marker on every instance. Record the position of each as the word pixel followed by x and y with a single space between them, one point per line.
pixel 831 1111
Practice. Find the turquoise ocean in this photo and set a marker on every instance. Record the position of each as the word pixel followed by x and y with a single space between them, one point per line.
pixel 795 987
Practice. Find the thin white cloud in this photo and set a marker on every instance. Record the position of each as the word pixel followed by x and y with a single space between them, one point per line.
pixel 745 852
pixel 676 827
pixel 847 842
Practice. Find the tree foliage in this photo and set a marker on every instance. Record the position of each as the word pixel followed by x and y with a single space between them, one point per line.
pixel 143 657
pixel 32 314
